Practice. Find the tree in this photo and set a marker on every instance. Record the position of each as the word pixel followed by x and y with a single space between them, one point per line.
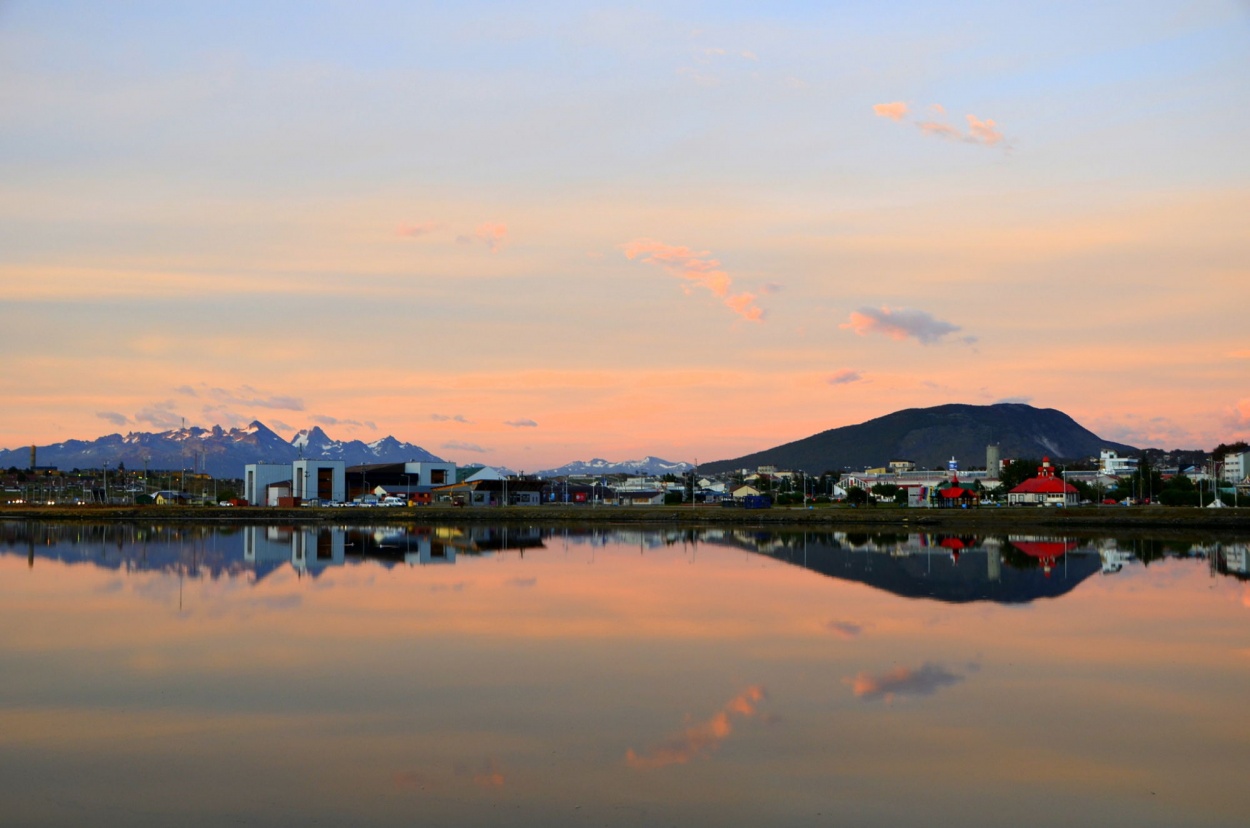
pixel 1180 491
pixel 1224 449
pixel 1018 471
pixel 889 491
pixel 1144 483
pixel 856 496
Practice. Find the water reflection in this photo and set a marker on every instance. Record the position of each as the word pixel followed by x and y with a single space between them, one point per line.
pixel 953 568
pixel 540 676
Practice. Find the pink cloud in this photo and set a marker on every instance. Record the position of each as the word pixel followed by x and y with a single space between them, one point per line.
pixel 985 132
pixel 698 269
pixel 895 111
pixel 702 738
pixel 1240 414
pixel 493 234
pixel 900 324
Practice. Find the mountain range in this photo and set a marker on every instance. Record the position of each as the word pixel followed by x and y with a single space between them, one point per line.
pixel 217 451
pixel 931 436
pixel 927 436
pixel 646 466
pixel 224 452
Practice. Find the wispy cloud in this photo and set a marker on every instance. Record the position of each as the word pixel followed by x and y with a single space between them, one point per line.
pixel 249 397
pixel 702 738
pixel 521 583
pixel 895 111
pixel 939 130
pixel 453 418
pixel 924 680
pixel 521 423
pixel 113 417
pixel 1239 415
pixel 185 390
pixel 460 445
pixel 980 131
pixel 224 416
pixel 845 629
pixel 845 377
pixel 325 419
pixel 487 775
pixel 1157 432
pixel 160 415
pixel 696 268
pixel 900 324
pixel 418 229
pixel 412 781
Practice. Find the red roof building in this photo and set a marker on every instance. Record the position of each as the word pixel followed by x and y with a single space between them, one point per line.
pixel 955 496
pixel 1044 490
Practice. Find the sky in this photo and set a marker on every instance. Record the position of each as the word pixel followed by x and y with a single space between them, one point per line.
pixel 526 234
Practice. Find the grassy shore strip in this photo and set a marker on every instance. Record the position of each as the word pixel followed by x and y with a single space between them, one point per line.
pixel 982 520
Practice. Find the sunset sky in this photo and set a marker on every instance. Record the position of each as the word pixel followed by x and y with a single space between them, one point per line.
pixel 530 233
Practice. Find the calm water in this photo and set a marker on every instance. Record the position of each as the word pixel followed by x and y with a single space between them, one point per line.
pixel 491 676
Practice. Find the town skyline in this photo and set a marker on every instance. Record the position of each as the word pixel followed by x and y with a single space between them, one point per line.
pixel 531 235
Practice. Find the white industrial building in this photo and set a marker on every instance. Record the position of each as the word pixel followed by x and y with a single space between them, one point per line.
pixel 265 483
pixel 1235 470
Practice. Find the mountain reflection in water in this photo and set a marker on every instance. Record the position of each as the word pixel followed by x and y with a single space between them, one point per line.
pixel 618 676
pixel 954 568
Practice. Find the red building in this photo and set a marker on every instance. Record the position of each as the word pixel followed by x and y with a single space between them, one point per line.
pixel 1044 490
pixel 955 496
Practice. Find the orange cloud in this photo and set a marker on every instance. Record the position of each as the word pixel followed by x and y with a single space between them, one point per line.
pixel 697 268
pixel 895 111
pixel 702 738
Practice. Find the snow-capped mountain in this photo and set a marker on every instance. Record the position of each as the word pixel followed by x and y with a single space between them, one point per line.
pixel 647 465
pixel 217 451
pixel 316 444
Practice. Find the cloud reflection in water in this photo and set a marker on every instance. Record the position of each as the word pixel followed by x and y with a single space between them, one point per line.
pixel 702 738
pixel 924 680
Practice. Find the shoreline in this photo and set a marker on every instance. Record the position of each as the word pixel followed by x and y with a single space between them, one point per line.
pixel 981 519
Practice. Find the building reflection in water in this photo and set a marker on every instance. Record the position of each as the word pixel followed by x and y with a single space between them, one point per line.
pixel 945 567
